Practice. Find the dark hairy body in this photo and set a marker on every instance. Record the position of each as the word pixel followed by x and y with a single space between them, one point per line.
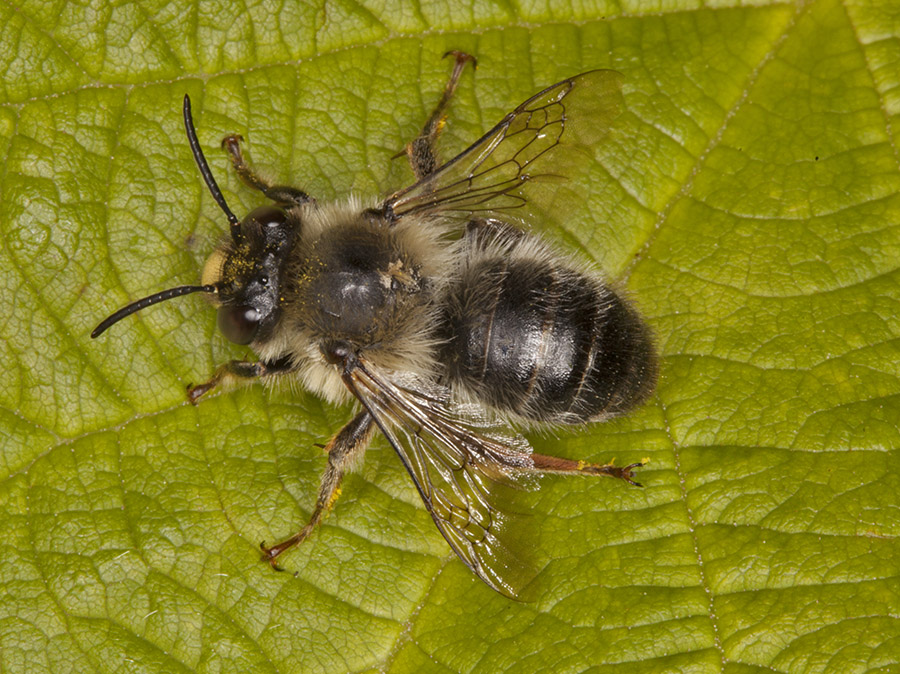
pixel 529 334
pixel 439 313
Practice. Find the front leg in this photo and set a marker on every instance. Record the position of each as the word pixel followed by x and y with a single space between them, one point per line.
pixel 343 450
pixel 281 194
pixel 238 370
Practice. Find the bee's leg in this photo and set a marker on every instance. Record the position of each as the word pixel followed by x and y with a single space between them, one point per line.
pixel 421 151
pixel 236 370
pixel 281 194
pixel 554 464
pixel 343 450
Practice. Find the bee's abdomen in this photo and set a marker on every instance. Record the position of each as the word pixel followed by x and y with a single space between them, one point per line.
pixel 547 343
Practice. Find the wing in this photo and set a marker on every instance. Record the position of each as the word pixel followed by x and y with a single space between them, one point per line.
pixel 547 138
pixel 460 462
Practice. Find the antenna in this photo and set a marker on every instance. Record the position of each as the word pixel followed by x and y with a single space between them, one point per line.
pixel 206 173
pixel 150 300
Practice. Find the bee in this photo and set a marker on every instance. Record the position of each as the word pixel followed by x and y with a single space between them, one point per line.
pixel 449 323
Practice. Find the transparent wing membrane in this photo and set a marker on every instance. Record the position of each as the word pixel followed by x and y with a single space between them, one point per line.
pixel 516 167
pixel 466 469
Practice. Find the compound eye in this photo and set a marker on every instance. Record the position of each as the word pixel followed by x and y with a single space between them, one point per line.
pixel 268 216
pixel 239 324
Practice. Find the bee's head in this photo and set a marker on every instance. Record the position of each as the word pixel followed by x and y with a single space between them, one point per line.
pixel 246 273
pixel 243 275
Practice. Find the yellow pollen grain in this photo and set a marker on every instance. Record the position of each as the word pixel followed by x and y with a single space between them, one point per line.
pixel 334 497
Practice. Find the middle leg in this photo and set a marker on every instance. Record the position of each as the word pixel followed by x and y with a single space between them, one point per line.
pixel 422 151
pixel 343 450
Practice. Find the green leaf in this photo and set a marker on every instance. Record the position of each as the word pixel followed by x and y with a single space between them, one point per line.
pixel 748 199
